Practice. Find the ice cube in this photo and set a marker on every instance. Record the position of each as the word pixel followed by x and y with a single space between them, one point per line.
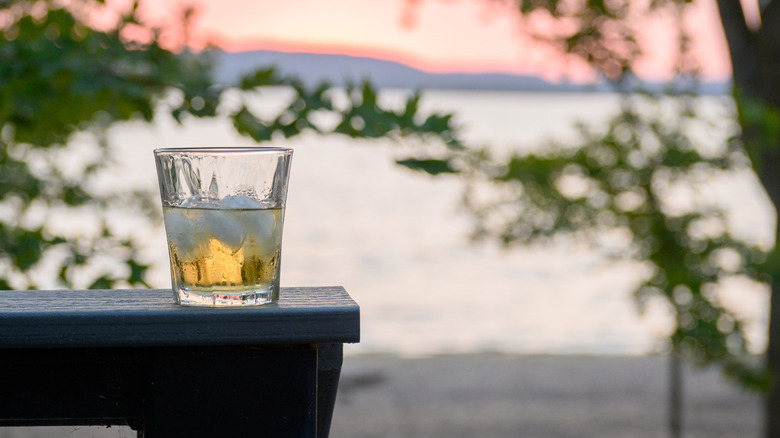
pixel 222 226
pixel 240 202
pixel 262 225
pixel 181 230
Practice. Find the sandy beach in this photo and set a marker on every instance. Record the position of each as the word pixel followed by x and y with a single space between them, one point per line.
pixel 492 396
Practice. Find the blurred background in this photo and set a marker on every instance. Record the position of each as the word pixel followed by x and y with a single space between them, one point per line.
pixel 400 240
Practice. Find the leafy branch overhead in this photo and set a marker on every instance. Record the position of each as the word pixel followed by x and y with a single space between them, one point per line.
pixel 357 109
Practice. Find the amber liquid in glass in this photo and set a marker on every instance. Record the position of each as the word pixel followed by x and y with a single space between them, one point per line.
pixel 224 256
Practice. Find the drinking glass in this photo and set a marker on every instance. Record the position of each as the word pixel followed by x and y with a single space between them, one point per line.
pixel 224 211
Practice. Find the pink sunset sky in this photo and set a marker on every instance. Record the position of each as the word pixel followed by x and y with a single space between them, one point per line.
pixel 445 35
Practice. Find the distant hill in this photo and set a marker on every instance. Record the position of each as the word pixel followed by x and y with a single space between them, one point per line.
pixel 341 69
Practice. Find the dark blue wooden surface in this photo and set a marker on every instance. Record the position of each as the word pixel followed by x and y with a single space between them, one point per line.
pixel 149 317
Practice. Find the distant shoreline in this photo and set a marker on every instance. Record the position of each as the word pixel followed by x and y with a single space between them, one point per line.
pixel 340 70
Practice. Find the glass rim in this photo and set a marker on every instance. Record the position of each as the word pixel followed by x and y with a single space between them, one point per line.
pixel 210 150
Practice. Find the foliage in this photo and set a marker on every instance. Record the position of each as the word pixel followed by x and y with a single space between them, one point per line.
pixel 60 77
pixel 615 191
pixel 63 83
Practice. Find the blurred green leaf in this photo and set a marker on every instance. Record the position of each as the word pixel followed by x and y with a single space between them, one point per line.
pixel 247 124
pixel 430 166
pixel 25 246
pixel 101 283
pixel 137 272
pixel 259 78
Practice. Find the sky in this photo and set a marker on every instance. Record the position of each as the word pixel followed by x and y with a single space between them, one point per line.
pixel 432 35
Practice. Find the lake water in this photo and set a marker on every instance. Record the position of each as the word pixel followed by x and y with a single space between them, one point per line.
pixel 397 241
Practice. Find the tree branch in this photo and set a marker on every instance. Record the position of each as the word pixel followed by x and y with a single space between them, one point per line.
pixel 741 41
pixel 769 46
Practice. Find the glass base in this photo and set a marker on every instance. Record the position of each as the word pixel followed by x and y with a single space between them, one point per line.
pixel 226 299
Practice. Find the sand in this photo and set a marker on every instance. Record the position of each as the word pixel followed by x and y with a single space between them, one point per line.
pixel 489 396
